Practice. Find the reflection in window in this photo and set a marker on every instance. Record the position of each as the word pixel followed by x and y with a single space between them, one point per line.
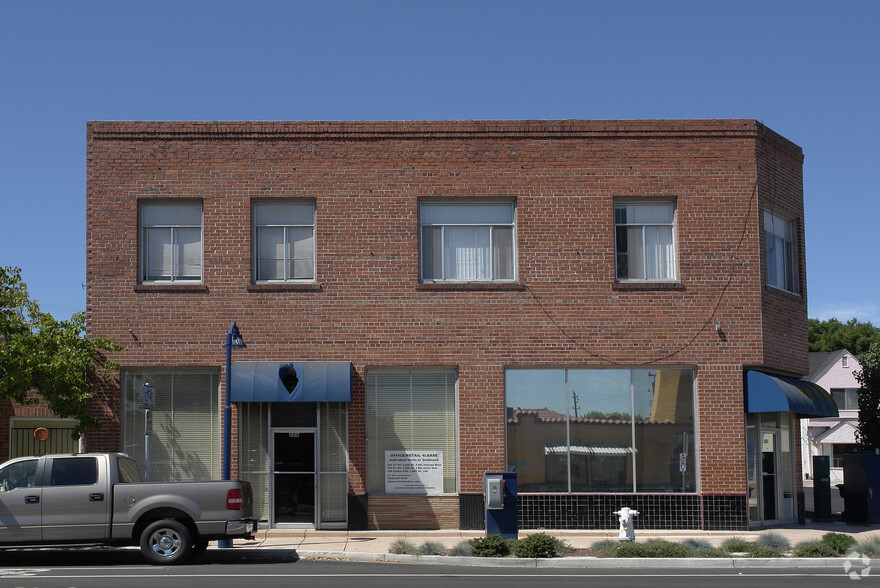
pixel 577 430
pixel 21 474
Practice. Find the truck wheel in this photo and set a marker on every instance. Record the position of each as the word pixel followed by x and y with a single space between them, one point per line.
pixel 166 542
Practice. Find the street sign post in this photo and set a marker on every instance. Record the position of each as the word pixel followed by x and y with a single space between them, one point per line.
pixel 149 398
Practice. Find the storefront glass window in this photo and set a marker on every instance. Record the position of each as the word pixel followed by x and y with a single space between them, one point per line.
pixel 412 441
pixel 184 442
pixel 577 430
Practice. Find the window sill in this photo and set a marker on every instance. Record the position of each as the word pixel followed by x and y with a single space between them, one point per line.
pixel 648 286
pixel 773 288
pixel 171 287
pixel 285 287
pixel 469 286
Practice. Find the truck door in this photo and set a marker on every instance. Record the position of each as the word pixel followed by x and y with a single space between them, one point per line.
pixel 20 502
pixel 76 499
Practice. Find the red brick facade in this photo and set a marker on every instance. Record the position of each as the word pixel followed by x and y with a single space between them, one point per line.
pixel 367 305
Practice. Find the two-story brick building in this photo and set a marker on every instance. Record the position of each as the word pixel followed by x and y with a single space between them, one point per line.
pixel 607 308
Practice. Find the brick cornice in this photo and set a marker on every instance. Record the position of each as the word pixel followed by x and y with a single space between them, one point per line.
pixel 416 130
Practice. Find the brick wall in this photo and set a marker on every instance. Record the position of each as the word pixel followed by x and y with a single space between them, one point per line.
pixel 368 306
pixel 781 189
pixel 412 512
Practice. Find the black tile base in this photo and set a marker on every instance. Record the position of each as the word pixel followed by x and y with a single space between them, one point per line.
pixel 656 511
pixel 472 512
pixel 357 512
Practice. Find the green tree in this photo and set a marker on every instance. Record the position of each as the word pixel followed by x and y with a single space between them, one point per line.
pixel 41 357
pixel 868 434
pixel 832 335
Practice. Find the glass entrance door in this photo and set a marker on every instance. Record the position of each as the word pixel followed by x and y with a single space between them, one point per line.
pixel 293 477
pixel 769 474
pixel 770 458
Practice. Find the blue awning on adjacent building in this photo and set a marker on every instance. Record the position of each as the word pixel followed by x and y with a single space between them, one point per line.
pixel 766 393
pixel 306 381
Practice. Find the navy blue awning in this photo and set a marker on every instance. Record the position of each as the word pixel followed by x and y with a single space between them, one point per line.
pixel 306 381
pixel 766 393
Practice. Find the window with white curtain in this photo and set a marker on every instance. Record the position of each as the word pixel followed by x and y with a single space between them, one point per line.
pixel 410 411
pixel 284 240
pixel 171 241
pixel 467 241
pixel 781 254
pixel 645 240
pixel 185 431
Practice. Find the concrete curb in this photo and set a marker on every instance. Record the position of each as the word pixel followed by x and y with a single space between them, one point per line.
pixel 590 562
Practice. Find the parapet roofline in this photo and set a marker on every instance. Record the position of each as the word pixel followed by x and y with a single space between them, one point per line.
pixel 378 130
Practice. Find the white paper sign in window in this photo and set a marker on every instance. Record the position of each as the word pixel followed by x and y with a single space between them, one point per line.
pixel 413 472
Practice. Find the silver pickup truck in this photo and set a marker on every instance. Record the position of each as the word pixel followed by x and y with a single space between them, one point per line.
pixel 98 498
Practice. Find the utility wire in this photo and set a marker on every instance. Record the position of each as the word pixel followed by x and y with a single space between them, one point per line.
pixel 734 263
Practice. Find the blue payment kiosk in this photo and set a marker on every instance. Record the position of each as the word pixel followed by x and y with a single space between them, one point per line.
pixel 499 490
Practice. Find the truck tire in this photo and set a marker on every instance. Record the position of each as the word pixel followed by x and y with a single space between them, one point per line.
pixel 166 542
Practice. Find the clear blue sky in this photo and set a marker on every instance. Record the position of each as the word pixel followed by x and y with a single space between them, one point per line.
pixel 808 70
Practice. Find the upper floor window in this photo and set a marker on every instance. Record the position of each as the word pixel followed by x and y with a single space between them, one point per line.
pixel 781 255
pixel 846 398
pixel 467 241
pixel 645 240
pixel 171 241
pixel 284 235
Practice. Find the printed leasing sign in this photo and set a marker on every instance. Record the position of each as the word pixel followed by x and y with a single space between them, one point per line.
pixel 413 472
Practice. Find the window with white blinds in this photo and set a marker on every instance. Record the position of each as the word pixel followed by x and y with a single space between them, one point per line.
pixel 171 241
pixel 184 443
pixel 253 433
pixel 411 410
pixel 284 234
pixel 333 462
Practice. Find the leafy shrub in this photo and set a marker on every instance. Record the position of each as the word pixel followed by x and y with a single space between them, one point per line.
pixel 490 546
pixel 402 546
pixel 736 545
pixel 631 549
pixel 606 547
pixel 869 547
pixel 668 549
pixel 538 545
pixel 431 548
pixel 462 549
pixel 814 549
pixel 773 540
pixel 657 548
pixel 839 542
pixel 653 548
pixel 697 544
pixel 756 550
